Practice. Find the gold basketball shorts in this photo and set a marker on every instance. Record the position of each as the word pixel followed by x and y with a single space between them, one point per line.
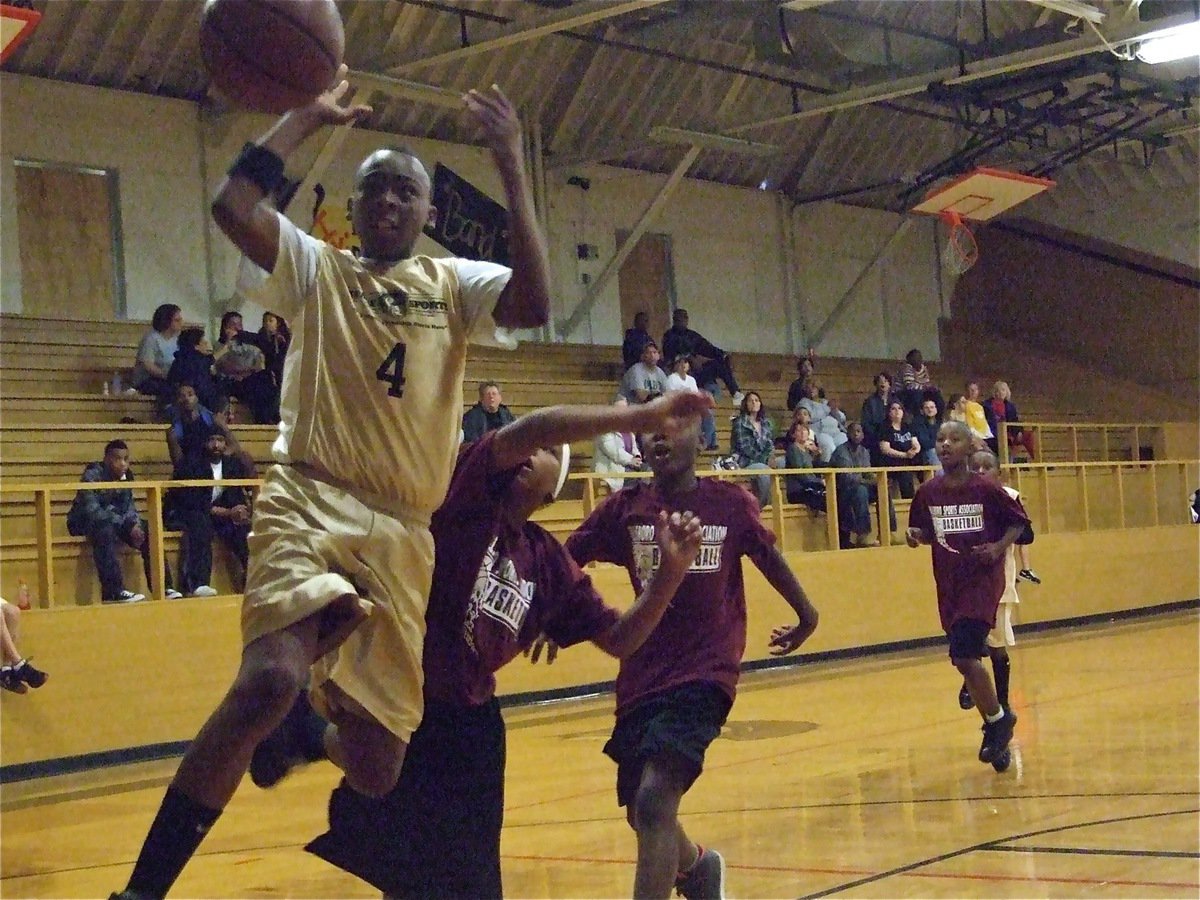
pixel 315 547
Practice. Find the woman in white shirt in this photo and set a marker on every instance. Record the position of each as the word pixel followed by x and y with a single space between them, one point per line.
pixel 679 379
pixel 616 452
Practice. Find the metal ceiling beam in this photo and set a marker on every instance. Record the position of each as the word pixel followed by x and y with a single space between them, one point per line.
pixel 526 30
pixel 972 71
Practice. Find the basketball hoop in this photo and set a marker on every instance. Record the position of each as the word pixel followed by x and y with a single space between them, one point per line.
pixel 976 197
pixel 961 252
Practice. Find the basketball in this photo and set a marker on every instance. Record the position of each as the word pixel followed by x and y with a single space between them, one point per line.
pixel 271 55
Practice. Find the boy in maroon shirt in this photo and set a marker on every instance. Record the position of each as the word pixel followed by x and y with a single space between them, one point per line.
pixel 499 582
pixel 971 522
pixel 675 692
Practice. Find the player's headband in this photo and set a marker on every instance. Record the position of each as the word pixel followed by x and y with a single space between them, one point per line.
pixel 564 468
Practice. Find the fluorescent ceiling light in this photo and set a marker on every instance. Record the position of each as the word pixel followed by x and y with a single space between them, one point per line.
pixel 666 135
pixel 1170 45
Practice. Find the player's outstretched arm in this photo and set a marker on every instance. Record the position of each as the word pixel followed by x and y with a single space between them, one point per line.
pixel 525 302
pixel 237 207
pixel 779 575
pixel 678 539
pixel 555 425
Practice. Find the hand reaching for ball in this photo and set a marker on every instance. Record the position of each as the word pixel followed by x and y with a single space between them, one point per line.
pixel 329 108
pixel 500 122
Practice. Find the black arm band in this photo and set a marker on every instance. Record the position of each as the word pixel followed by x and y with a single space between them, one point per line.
pixel 259 165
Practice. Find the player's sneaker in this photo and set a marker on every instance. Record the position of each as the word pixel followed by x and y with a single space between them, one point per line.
pixel 996 736
pixel 1030 576
pixel 285 747
pixel 11 681
pixel 964 698
pixel 25 672
pixel 706 880
pixel 1003 761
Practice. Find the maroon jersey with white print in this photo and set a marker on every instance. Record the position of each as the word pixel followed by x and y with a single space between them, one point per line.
pixel 702 635
pixel 960 518
pixel 496 587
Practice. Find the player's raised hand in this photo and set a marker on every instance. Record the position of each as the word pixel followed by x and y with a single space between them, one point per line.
pixel 333 107
pixel 499 120
pixel 678 538
pixel 542 642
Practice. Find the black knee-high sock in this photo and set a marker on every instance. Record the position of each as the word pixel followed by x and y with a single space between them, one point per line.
pixel 1001 666
pixel 177 831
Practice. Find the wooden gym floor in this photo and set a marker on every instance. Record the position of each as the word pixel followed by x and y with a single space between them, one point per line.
pixel 850 779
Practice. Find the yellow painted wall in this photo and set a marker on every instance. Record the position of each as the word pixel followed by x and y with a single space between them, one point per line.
pixel 151 672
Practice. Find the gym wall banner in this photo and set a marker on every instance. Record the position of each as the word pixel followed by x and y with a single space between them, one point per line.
pixel 469 222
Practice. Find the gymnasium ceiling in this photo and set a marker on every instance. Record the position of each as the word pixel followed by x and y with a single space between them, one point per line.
pixel 870 102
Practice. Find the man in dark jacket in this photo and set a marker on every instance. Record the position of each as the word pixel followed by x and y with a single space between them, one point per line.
pixel 487 415
pixel 679 340
pixel 636 339
pixel 103 516
pixel 201 512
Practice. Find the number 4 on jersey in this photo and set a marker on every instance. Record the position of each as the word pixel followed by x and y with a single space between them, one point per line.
pixel 391 370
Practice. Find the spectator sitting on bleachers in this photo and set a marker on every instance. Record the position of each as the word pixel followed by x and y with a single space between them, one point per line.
pixel 826 422
pixel 644 380
pixel 679 379
pixel 194 364
pixel 875 414
pixel 925 428
pixel 857 490
pixel 242 368
pixel 191 424
pixel 16 674
pixel 202 511
pixel 976 418
pixel 914 383
pixel 800 450
pixel 636 339
pixel 156 352
pixel 753 444
pixel 798 389
pixel 489 414
pixel 679 340
pixel 899 447
pixel 616 453
pixel 273 339
pixel 1001 410
pixel 104 516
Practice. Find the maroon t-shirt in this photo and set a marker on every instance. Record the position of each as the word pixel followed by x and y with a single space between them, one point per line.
pixel 702 635
pixel 959 518
pixel 496 587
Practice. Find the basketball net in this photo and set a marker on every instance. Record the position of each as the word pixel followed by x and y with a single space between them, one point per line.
pixel 961 252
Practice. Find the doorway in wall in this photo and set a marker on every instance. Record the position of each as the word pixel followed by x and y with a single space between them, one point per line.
pixel 647 282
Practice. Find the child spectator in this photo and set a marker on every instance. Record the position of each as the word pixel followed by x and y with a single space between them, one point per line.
pixel 273 339
pixel 489 414
pixel 194 364
pixel 971 523
pixel 616 453
pixel 644 380
pixel 914 384
pixel 680 379
pixel 17 674
pixel 202 512
pixel 1000 410
pixel 875 414
pixel 1001 637
pixel 899 447
pixel 156 352
pixel 976 418
pixel 675 692
pixel 242 367
pixel 104 516
pixel 753 444
pixel 925 428
pixel 856 491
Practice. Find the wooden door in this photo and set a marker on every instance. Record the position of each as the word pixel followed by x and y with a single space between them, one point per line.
pixel 647 282
pixel 65 235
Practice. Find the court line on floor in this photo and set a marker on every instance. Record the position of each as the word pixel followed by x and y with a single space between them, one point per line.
pixel 987 845
pixel 1099 851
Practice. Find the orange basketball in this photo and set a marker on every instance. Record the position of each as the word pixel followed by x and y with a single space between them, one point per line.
pixel 271 55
